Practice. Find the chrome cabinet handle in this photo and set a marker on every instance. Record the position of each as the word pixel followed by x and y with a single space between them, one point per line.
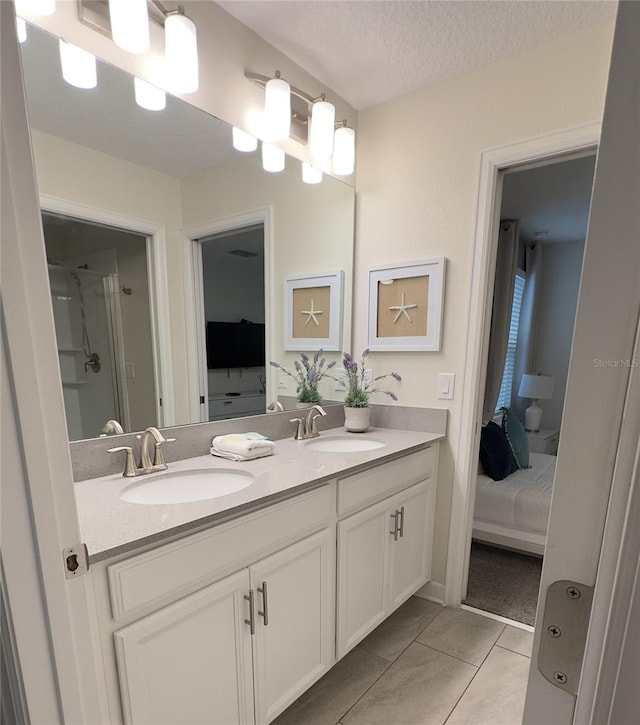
pixel 251 621
pixel 401 517
pixel 394 533
pixel 265 604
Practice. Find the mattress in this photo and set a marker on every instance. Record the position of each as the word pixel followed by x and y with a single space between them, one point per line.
pixel 522 500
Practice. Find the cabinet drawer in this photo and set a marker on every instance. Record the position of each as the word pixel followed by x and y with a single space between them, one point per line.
pixel 363 489
pixel 235 407
pixel 164 574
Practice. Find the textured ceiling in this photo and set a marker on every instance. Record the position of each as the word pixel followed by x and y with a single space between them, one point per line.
pixel 370 51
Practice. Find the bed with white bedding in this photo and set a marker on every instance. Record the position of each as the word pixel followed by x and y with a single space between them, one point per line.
pixel 514 512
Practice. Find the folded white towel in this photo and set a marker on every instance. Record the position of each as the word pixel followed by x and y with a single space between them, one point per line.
pixel 241 446
pixel 255 453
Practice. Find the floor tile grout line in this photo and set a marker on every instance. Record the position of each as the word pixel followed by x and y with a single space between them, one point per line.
pixel 508 649
pixel 455 657
pixel 348 710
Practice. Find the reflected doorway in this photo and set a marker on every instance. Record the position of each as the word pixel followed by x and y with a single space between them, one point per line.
pixel 100 295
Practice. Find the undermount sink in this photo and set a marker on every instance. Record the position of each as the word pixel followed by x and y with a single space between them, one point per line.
pixel 345 444
pixel 186 486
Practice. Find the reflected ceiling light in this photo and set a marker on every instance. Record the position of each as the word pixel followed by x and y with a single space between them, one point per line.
pixel 323 120
pixel 311 175
pixel 277 109
pixel 21 30
pixel 272 158
pixel 181 52
pixel 243 141
pixel 147 96
pixel 344 150
pixel 78 66
pixel 130 24
pixel 35 7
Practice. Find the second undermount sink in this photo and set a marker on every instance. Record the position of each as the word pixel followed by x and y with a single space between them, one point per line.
pixel 186 486
pixel 353 443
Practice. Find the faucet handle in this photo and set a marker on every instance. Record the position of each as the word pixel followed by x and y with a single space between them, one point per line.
pixel 158 457
pixel 129 462
pixel 299 428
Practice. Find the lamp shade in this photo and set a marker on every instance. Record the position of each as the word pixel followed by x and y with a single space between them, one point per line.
pixel 344 150
pixel 148 96
pixel 181 53
pixel 130 24
pixel 35 7
pixel 537 387
pixel 243 141
pixel 277 110
pixel 323 119
pixel 311 175
pixel 21 29
pixel 78 66
pixel 272 158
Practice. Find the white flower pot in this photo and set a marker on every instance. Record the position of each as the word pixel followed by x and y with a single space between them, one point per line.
pixel 356 420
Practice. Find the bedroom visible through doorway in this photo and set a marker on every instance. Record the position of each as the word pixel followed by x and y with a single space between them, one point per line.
pixel 544 215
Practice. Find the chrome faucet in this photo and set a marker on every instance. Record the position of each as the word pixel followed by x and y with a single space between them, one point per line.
pixel 308 428
pixel 147 465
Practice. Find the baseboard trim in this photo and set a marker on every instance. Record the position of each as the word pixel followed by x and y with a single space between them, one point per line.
pixel 433 591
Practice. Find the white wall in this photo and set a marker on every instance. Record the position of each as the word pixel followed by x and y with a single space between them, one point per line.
pixel 559 284
pixel 417 186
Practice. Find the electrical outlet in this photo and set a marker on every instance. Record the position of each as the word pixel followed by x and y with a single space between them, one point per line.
pixel 282 379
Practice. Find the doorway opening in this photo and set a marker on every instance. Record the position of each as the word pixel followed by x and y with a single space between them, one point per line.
pixel 544 213
pixel 232 314
pixel 101 303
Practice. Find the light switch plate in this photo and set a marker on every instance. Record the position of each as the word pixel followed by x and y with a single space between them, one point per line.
pixel 446 382
pixel 282 379
pixel 339 383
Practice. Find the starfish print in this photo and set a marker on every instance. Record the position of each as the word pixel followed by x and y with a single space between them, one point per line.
pixel 402 310
pixel 311 315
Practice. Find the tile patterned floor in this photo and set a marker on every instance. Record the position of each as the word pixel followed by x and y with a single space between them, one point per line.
pixel 425 665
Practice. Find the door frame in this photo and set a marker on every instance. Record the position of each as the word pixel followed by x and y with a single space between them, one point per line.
pixel 194 301
pixel 156 242
pixel 572 142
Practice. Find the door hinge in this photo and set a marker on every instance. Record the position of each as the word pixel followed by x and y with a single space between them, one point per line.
pixel 76 561
pixel 202 400
pixel 564 633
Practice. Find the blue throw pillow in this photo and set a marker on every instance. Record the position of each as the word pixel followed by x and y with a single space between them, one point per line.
pixel 516 437
pixel 495 452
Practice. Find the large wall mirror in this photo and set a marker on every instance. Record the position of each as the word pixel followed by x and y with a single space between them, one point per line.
pixel 168 253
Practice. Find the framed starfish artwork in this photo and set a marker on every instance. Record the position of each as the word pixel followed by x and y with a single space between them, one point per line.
pixel 405 306
pixel 313 312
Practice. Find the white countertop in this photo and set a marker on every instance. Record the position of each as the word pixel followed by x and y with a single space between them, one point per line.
pixel 110 526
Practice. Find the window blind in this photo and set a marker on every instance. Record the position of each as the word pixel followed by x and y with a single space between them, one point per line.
pixel 504 398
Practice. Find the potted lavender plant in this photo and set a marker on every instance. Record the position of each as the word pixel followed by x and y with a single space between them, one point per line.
pixel 359 390
pixel 308 374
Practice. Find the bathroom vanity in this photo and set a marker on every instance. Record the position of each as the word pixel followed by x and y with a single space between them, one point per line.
pixel 226 610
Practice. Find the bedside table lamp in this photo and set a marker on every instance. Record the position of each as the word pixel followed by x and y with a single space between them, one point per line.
pixel 535 387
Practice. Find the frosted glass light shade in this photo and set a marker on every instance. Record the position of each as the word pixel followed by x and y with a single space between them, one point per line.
pixel 323 119
pixel 537 387
pixel 148 96
pixel 243 141
pixel 311 175
pixel 181 53
pixel 277 110
pixel 344 151
pixel 130 24
pixel 78 66
pixel 272 158
pixel 21 30
pixel 35 7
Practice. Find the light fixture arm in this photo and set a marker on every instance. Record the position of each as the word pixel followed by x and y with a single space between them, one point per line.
pixel 262 82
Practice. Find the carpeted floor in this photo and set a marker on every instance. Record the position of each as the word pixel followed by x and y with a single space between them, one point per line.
pixel 504 582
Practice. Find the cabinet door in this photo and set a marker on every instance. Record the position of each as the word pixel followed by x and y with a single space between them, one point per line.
pixel 362 573
pixel 295 621
pixel 411 552
pixel 191 661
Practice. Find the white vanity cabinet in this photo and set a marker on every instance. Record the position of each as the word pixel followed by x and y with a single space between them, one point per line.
pixel 384 549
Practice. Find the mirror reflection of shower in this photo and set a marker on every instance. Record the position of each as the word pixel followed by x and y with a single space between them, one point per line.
pixel 100 295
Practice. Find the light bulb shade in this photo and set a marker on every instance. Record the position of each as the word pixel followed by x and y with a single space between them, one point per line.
pixel 181 53
pixel 78 66
pixel 311 175
pixel 272 158
pixel 277 110
pixel 323 120
pixel 344 151
pixel 243 141
pixel 21 30
pixel 130 24
pixel 148 96
pixel 35 7
pixel 536 387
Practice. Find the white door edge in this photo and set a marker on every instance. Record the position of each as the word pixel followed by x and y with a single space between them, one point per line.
pixel 158 290
pixel 194 296
pixel 582 138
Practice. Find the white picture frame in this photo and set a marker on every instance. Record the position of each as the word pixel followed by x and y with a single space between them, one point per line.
pixel 324 326
pixel 418 313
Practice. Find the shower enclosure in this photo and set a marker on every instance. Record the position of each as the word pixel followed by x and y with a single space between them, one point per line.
pixel 88 326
